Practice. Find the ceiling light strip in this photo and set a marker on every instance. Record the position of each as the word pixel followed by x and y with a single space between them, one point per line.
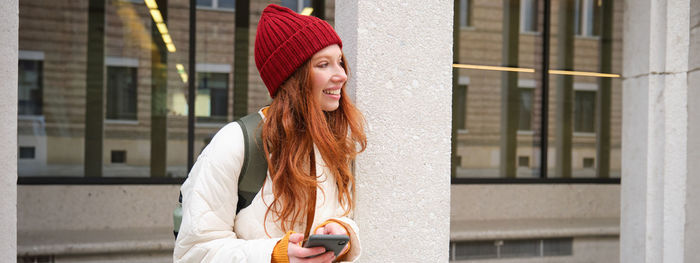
pixel 497 68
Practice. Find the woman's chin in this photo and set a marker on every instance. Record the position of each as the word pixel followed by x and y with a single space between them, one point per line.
pixel 330 107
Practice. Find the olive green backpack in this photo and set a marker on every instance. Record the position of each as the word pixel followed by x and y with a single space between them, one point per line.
pixel 253 172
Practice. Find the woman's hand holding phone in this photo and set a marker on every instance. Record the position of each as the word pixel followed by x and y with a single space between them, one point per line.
pixel 296 253
pixel 333 228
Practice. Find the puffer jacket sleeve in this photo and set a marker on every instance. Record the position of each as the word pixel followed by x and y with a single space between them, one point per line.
pixel 209 206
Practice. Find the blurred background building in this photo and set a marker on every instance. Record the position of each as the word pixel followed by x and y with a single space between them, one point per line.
pixel 103 128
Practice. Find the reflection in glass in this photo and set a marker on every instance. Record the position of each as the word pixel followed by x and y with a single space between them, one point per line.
pixel 121 93
pixel 503 135
pixel 212 96
pixel 30 87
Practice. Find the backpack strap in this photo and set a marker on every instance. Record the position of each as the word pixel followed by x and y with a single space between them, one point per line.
pixel 254 170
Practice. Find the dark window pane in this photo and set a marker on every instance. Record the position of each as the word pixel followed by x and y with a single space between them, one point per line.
pixel 475 250
pixel 26 152
pixel 584 111
pixel 206 3
pixel 30 87
pixel 557 247
pixel 529 15
pixel 121 93
pixel 525 118
pixel 520 248
pixel 228 4
pixel 118 156
pixel 212 92
pixel 461 108
pixel 465 13
pixel 291 4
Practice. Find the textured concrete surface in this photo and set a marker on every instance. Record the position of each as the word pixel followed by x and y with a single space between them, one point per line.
pixel 82 242
pixel 693 196
pixel 513 202
pixel 400 58
pixel 54 207
pixel 533 228
pixel 9 24
pixel 658 132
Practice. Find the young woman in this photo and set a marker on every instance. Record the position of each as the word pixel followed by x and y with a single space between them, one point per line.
pixel 311 132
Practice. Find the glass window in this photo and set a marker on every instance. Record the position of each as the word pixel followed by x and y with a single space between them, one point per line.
pixel 461 108
pixel 121 93
pixel 228 4
pixel 525 116
pixel 296 5
pixel 212 96
pixel 30 87
pixel 528 15
pixel 584 111
pixel 217 4
pixel 527 124
pixel 586 17
pixel 465 13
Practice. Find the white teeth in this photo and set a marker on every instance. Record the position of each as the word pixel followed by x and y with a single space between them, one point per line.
pixel 332 92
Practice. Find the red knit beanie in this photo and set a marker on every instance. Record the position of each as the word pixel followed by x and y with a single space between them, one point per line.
pixel 285 40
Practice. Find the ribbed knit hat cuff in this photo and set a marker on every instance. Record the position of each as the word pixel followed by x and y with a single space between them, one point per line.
pixel 296 50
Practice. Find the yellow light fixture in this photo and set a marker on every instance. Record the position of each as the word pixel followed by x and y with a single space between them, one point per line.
pixel 151 4
pixel 162 28
pixel 167 39
pixel 530 70
pixel 157 17
pixel 307 11
pixel 171 47
pixel 583 73
pixel 482 67
pixel 181 72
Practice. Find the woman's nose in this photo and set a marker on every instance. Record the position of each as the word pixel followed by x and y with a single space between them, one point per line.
pixel 340 75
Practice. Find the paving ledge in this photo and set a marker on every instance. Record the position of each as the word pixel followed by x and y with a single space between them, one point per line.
pixel 83 242
pixel 466 230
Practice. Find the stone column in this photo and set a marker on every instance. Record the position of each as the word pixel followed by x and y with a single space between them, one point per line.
pixel 400 57
pixel 9 24
pixel 660 210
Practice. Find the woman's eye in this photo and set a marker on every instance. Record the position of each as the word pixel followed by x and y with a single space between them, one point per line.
pixel 322 65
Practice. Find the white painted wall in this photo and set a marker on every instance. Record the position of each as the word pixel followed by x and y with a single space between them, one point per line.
pixel 400 57
pixel 9 24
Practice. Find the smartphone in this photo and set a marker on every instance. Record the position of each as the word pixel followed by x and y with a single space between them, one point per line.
pixel 335 243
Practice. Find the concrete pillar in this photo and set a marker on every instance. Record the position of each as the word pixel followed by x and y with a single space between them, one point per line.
pixel 400 57
pixel 659 207
pixel 9 24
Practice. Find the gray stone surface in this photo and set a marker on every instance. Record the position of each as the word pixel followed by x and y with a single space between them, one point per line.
pixel 85 242
pixel 86 207
pixel 9 24
pixel 400 57
pixel 658 207
pixel 533 228
pixel 513 202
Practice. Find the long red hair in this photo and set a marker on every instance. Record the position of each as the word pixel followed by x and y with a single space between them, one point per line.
pixel 293 125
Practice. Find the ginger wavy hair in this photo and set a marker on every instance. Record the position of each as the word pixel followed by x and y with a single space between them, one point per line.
pixel 293 125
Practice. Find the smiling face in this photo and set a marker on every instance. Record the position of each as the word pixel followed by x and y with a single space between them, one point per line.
pixel 328 77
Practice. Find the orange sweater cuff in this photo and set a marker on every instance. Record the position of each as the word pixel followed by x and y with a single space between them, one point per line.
pixel 279 253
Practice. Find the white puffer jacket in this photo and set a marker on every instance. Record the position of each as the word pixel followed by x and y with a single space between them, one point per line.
pixel 212 232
